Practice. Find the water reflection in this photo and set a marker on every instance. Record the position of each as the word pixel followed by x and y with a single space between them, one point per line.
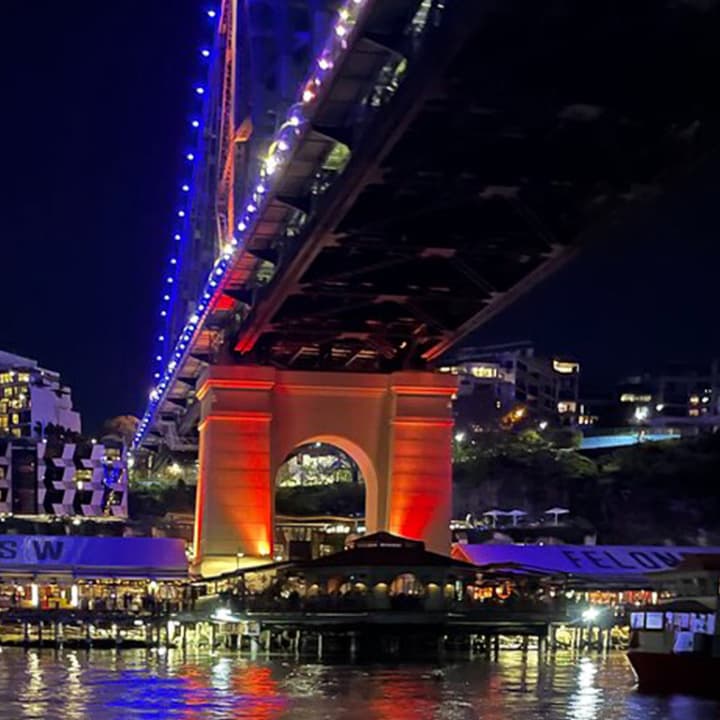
pixel 129 685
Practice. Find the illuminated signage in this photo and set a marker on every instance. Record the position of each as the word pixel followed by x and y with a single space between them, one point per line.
pixel 78 553
pixel 584 559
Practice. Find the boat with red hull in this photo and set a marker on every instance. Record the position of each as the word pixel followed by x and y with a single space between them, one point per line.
pixel 686 673
pixel 675 646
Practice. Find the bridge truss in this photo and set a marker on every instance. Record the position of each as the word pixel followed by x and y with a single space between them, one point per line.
pixel 438 160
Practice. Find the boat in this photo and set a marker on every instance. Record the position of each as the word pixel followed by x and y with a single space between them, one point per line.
pixel 675 646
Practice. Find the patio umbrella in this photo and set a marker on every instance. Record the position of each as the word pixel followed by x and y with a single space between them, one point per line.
pixel 516 515
pixel 556 512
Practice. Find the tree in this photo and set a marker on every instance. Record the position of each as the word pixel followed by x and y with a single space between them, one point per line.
pixel 123 426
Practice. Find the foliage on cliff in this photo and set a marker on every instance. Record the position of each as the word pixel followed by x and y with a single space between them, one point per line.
pixel 650 493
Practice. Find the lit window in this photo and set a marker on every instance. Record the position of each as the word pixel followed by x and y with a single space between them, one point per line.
pixel 15 419
pixel 24 377
pixel 566 406
pixel 633 398
pixel 483 371
pixel 565 367
pixel 406 584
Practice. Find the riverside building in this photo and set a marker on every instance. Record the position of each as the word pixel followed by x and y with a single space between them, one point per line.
pixel 495 381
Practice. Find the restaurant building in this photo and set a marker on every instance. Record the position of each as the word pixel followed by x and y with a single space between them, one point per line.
pixel 91 573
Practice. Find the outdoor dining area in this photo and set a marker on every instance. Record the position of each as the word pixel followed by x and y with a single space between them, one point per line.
pixel 378 572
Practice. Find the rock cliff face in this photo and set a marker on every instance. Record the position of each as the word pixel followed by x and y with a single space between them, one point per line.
pixel 654 493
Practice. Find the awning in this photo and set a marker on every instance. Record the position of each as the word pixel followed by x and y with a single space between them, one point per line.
pixel 93 557
pixel 605 563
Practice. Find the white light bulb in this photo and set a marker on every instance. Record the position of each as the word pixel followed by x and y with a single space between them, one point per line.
pixel 270 165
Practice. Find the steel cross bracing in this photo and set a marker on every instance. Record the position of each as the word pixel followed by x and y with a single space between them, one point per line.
pixel 455 155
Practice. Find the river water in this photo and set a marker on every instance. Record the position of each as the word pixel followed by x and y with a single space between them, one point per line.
pixel 136 684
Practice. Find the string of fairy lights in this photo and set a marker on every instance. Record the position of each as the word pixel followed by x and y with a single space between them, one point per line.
pixel 182 222
pixel 280 151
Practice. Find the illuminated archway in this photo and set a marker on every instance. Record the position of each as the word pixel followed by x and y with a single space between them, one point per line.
pixel 397 428
pixel 320 497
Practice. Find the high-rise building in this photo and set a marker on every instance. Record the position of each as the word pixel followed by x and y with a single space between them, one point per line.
pixel 31 398
pixel 497 380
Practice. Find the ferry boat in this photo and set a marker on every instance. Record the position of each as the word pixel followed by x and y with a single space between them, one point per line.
pixel 675 646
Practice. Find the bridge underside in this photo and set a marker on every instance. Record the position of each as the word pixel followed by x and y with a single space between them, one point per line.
pixel 455 159
pixel 515 130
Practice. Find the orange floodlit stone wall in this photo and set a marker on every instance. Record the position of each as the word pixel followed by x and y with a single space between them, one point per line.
pixel 397 427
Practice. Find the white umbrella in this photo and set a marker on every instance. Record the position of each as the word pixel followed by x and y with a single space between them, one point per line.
pixel 556 512
pixel 494 514
pixel 516 515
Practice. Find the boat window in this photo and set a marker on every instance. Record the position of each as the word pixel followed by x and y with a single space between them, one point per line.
pixel 654 621
pixel 637 620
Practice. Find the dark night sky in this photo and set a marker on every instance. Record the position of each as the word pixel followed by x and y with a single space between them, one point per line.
pixel 95 108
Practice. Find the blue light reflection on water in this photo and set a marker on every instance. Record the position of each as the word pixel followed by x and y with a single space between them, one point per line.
pixel 135 685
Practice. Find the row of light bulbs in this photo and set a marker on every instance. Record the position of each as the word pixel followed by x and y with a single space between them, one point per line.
pixel 279 153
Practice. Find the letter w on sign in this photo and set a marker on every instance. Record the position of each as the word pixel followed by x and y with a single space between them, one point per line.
pixel 48 549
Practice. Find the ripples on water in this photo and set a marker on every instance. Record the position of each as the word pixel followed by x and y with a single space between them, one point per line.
pixel 132 685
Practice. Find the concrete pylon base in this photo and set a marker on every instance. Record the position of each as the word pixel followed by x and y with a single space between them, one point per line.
pixel 397 427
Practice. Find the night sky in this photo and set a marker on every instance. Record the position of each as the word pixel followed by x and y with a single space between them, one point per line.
pixel 95 120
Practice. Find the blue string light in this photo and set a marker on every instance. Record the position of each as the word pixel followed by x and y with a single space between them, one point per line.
pixel 285 140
